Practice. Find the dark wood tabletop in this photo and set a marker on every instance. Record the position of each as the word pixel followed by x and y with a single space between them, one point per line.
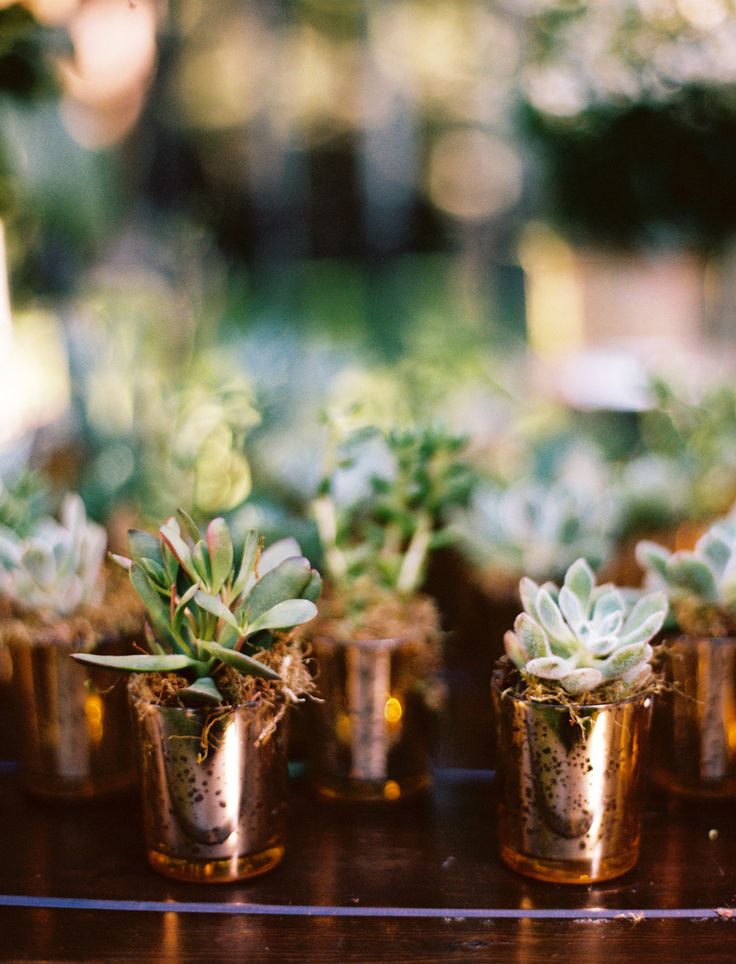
pixel 417 882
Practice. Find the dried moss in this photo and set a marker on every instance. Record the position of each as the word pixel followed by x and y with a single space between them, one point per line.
pixel 531 688
pixel 288 657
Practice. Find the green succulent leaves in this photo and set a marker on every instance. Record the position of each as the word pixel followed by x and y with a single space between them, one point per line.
pixel 701 582
pixel 581 637
pixel 383 504
pixel 56 565
pixel 206 604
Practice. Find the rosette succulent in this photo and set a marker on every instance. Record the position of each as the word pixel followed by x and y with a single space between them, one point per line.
pixel 583 637
pixel 57 567
pixel 209 607
pixel 535 527
pixel 701 584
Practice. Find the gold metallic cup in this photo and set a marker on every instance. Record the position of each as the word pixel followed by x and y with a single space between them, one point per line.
pixel 72 721
pixel 571 786
pixel 695 719
pixel 371 732
pixel 214 797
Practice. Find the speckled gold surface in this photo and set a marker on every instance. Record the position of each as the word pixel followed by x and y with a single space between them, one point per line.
pixel 570 786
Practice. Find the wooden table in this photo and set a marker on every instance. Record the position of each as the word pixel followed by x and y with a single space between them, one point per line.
pixel 413 883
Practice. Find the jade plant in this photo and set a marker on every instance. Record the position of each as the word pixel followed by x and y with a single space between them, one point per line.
pixel 57 566
pixel 382 506
pixel 210 608
pixel 701 584
pixel 581 638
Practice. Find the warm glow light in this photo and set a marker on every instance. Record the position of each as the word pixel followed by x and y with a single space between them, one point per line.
pixel 343 728
pixel 391 790
pixel 392 711
pixel 34 376
pixel 704 14
pixel 114 55
pixel 94 712
pixel 52 11
pixel 553 294
pixel 473 174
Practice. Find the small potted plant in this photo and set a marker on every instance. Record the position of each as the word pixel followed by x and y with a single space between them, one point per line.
pixel 377 643
pixel 573 704
pixel 696 719
pixel 209 698
pixel 536 525
pixel 74 737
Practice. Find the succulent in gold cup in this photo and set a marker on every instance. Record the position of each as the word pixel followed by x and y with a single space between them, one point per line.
pixel 74 734
pixel 573 705
pixel 209 698
pixel 695 721
pixel 377 643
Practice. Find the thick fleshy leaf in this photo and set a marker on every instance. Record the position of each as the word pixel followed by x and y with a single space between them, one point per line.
pixel 652 556
pixel 552 620
pixel 188 526
pixel 514 650
pixel 156 572
pixel 624 659
pixel 171 563
pixel 528 591
pixel 313 589
pixel 579 579
pixel 532 638
pixel 284 615
pixel 201 563
pixel 602 645
pixel 9 550
pixel 158 611
pixel 548 667
pixel 691 574
pixel 121 561
pixel 220 548
pixel 143 663
pixel 581 680
pixel 217 607
pixel 239 661
pixel 276 553
pixel 39 562
pixel 610 624
pixel 650 605
pixel 170 534
pixel 72 513
pixel 610 602
pixel 716 549
pixel 248 560
pixel 143 545
pixel 552 588
pixel 644 631
pixel 572 608
pixel 182 605
pixel 202 691
pixel 287 581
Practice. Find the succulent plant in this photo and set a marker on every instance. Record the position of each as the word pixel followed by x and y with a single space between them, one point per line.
pixel 24 499
pixel 57 567
pixel 701 584
pixel 583 637
pixel 535 527
pixel 381 508
pixel 209 610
